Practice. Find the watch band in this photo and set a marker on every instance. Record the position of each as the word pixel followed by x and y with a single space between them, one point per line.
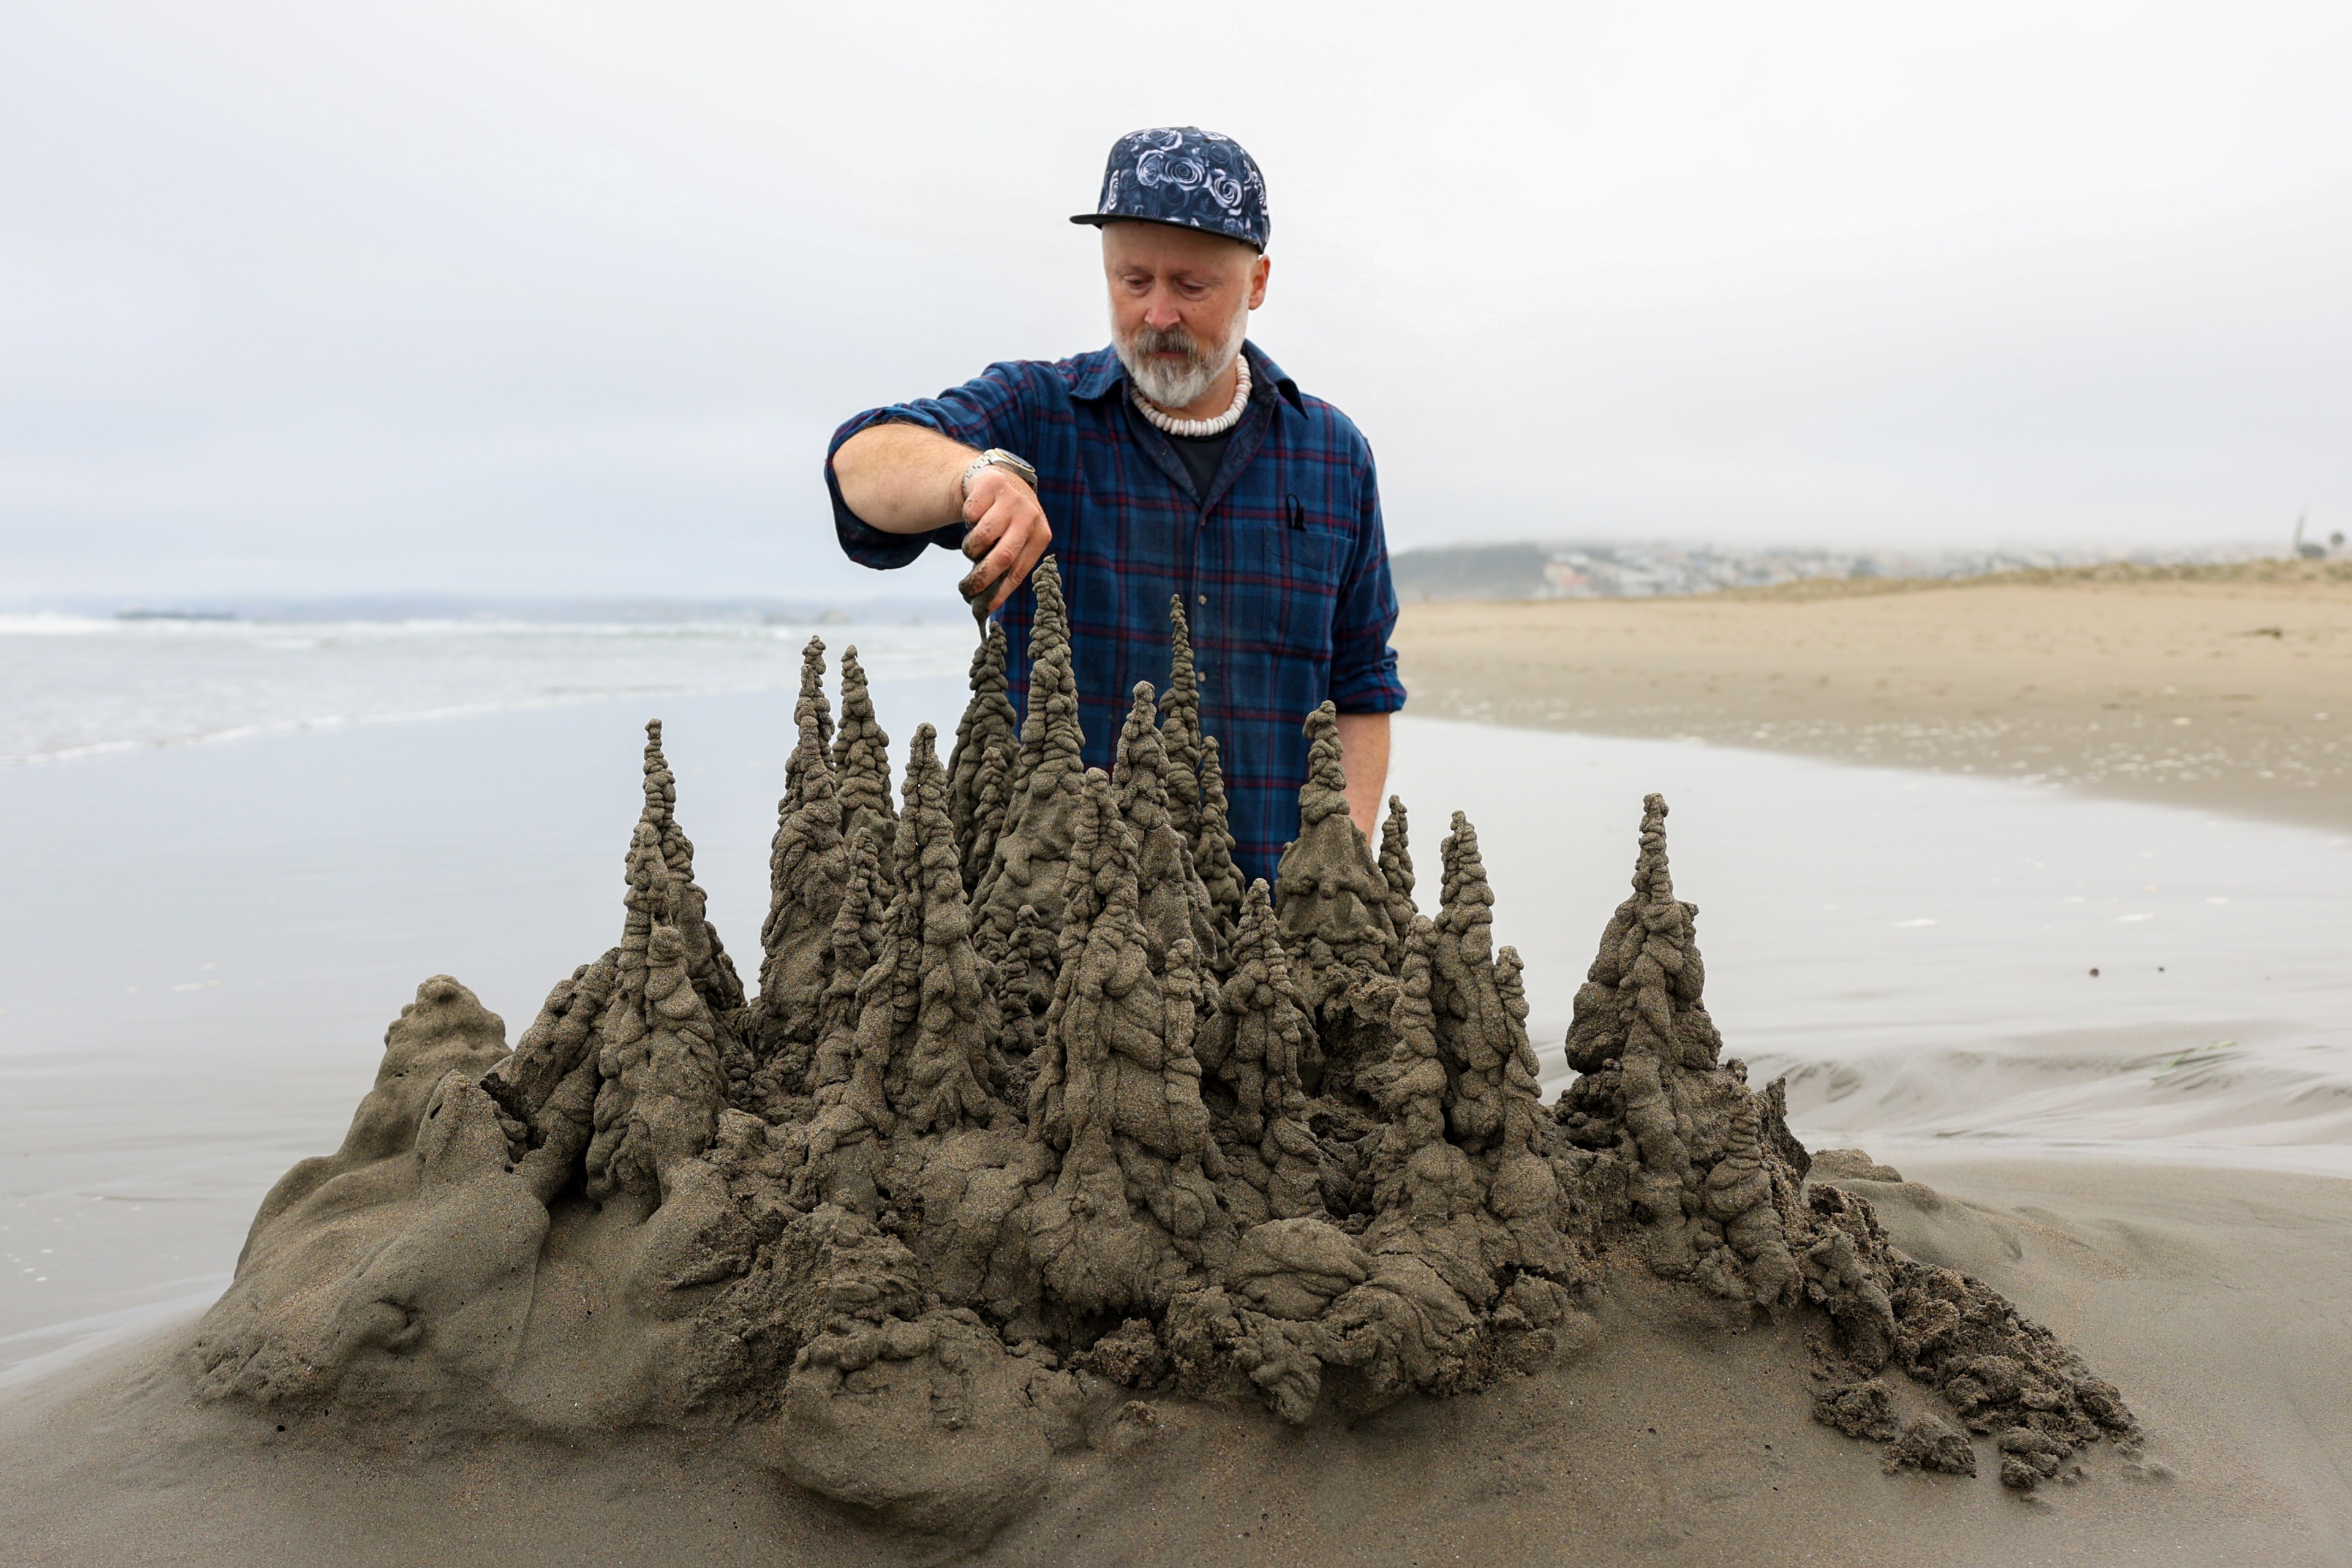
pixel 998 458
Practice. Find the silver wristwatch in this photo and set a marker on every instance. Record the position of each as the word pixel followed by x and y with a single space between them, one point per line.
pixel 997 457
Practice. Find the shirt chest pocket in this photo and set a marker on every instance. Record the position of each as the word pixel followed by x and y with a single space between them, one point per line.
pixel 1284 569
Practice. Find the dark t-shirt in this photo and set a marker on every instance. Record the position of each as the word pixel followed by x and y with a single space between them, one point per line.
pixel 1203 456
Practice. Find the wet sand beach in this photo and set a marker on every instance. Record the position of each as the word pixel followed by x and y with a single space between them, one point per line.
pixel 198 1002
pixel 2226 688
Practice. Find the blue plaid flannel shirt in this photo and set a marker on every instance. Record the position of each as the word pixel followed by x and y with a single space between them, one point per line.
pixel 1283 567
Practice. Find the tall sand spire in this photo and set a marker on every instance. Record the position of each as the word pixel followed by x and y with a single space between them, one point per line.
pixel 658 1052
pixel 812 720
pixel 705 957
pixel 861 759
pixel 1480 1035
pixel 986 745
pixel 1212 844
pixel 1396 867
pixel 1334 906
pixel 1117 1093
pixel 851 942
pixel 1049 640
pixel 934 1019
pixel 1180 725
pixel 808 867
pixel 1256 1044
pixel 1031 861
pixel 1175 904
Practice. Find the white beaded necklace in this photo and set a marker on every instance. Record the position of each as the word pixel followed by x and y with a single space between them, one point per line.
pixel 1216 425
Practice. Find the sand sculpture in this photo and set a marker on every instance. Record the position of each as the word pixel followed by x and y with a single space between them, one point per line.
pixel 1035 1106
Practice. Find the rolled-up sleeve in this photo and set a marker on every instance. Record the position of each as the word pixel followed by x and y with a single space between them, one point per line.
pixel 989 410
pixel 1363 666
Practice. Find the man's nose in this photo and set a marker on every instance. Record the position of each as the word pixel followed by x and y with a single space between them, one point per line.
pixel 1160 311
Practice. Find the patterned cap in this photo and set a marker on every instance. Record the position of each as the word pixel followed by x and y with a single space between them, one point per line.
pixel 1188 177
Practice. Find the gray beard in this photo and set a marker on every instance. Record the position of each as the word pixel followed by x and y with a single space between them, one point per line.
pixel 1185 385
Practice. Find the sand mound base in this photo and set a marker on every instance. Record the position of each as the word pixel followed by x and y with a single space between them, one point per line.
pixel 1043 1140
pixel 1680 1442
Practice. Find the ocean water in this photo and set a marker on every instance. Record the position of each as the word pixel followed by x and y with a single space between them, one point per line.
pixel 1938 959
pixel 203 942
pixel 74 686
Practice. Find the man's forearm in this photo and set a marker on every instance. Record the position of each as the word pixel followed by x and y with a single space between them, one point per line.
pixel 1364 752
pixel 903 478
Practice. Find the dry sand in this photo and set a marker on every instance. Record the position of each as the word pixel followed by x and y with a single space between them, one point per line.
pixel 2219 688
pixel 2213 1298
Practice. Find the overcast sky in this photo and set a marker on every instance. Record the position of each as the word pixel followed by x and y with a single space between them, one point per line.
pixel 566 297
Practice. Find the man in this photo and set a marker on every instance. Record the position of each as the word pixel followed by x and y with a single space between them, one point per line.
pixel 1180 461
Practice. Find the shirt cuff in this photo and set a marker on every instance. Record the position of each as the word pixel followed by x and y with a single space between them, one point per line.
pixel 861 540
pixel 1375 691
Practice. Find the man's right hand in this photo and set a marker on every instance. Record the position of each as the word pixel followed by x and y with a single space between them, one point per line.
pixel 1009 534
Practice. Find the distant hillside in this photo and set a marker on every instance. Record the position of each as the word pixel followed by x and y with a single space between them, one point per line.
pixel 1471 572
pixel 1622 571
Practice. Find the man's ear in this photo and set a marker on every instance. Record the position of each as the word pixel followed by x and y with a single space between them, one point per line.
pixel 1259 272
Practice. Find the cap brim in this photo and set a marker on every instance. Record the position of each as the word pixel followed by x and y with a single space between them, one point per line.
pixel 1095 220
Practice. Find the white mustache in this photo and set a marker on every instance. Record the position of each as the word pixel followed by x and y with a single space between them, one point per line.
pixel 1169 340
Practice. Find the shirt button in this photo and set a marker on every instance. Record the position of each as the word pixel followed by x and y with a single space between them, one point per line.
pixel 1205 598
